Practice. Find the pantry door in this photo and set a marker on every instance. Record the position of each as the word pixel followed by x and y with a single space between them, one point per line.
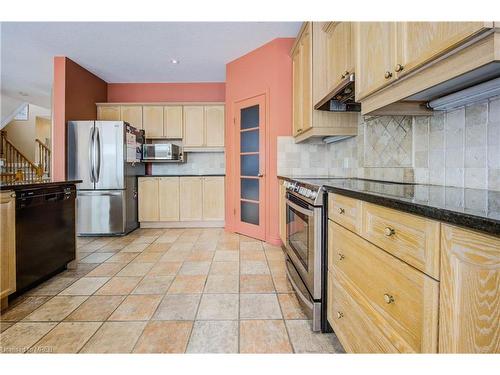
pixel 250 123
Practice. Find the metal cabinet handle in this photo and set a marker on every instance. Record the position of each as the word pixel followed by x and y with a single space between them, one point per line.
pixel 346 73
pixel 388 231
pixel 341 256
pixel 340 315
pixel 341 211
pixel 398 67
pixel 387 75
pixel 299 130
pixel 388 299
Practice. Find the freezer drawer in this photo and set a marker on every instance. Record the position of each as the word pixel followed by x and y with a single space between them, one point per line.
pixel 101 212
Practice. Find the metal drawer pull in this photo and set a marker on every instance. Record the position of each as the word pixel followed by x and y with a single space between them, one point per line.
pixel 341 211
pixel 388 299
pixel 340 315
pixel 388 231
pixel 399 67
pixel 387 75
pixel 341 256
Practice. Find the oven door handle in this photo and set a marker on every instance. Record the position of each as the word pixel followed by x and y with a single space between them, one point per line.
pixel 297 290
pixel 300 209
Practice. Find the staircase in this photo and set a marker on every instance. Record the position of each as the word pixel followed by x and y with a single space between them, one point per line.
pixel 15 167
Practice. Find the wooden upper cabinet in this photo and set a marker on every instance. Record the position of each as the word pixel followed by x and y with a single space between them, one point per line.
pixel 7 245
pixel 168 198
pixel 191 196
pixel 339 52
pixel 213 198
pixel 421 42
pixel 194 126
pixel 302 80
pixel 172 121
pixel 469 320
pixel 152 121
pixel 214 126
pixel 108 113
pixel 132 114
pixel 375 56
pixel 148 199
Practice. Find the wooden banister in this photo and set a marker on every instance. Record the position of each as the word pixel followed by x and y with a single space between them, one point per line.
pixel 44 157
pixel 17 166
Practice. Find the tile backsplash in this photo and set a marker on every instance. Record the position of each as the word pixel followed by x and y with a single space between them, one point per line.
pixel 455 148
pixel 198 163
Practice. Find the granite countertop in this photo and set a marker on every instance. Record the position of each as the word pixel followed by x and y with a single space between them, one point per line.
pixel 39 184
pixel 183 175
pixel 477 209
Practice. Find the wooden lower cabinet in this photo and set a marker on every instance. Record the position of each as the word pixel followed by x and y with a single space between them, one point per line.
pixel 148 199
pixel 191 198
pixel 7 245
pixel 469 320
pixel 169 199
pixel 213 198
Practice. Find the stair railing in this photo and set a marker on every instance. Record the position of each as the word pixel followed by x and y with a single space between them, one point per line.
pixel 43 153
pixel 16 166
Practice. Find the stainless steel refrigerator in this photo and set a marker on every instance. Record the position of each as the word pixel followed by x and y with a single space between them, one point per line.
pixel 106 156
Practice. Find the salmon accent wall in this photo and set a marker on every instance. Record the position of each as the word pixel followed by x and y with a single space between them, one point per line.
pixel 266 70
pixel 75 92
pixel 166 92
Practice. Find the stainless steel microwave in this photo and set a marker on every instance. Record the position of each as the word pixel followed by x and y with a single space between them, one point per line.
pixel 160 151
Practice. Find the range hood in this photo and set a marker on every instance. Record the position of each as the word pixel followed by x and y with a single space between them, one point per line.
pixel 341 98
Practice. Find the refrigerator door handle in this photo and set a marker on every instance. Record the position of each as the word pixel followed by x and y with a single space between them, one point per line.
pixel 91 155
pixel 98 174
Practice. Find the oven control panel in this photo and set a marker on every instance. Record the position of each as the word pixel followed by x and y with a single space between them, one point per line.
pixel 301 190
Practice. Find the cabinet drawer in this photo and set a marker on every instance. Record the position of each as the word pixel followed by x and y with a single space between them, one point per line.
pixel 345 211
pixel 410 238
pixel 353 327
pixel 405 299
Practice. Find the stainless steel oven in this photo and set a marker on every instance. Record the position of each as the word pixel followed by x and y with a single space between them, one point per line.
pixel 304 243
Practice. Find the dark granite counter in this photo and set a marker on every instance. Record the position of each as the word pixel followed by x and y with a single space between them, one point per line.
pixel 39 184
pixel 477 209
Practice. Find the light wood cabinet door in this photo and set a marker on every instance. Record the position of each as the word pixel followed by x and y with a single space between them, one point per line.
pixel 194 126
pixel 213 198
pixel 108 113
pixel 421 42
pixel 375 44
pixel 214 126
pixel 7 244
pixel 339 56
pixel 191 207
pixel 297 90
pixel 152 121
pixel 168 198
pixel 172 121
pixel 132 114
pixel 469 320
pixel 148 199
pixel 302 81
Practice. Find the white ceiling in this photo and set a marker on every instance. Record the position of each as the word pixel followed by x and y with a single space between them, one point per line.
pixel 127 51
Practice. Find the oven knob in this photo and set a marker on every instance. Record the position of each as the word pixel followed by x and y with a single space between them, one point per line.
pixel 313 194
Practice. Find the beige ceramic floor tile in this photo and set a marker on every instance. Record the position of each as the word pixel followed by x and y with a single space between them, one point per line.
pixel 23 307
pixel 135 269
pixel 96 257
pixel 154 285
pixel 52 287
pixel 188 284
pixel 137 308
pixel 222 284
pixel 119 286
pixel 85 286
pixel 304 340
pixel 277 267
pixel 218 307
pixel 195 268
pixel 205 246
pixel 290 306
pixel 96 308
pixel 164 337
pixel 122 258
pixel 114 337
pixel 255 255
pixel 165 269
pixel 148 239
pixel 225 268
pixel 251 245
pixel 151 257
pixel 275 255
pixel 264 336
pixel 134 248
pixel 252 267
pixel 226 256
pixel 21 336
pixel 256 284
pixel 227 246
pixel 5 325
pixel 157 247
pixel 175 256
pixel 214 337
pixel 282 284
pixel 200 256
pixel 81 270
pixel 181 246
pixel 178 307
pixel 56 309
pixel 106 269
pixel 68 337
pixel 259 306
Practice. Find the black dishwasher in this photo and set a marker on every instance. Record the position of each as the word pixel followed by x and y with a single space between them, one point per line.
pixel 45 233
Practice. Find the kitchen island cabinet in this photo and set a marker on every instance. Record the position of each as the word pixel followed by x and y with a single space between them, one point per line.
pixel 7 245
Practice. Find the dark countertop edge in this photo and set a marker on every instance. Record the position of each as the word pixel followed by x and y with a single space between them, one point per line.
pixel 38 185
pixel 466 220
pixel 183 175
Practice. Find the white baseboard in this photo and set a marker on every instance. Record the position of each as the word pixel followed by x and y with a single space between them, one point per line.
pixel 182 224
